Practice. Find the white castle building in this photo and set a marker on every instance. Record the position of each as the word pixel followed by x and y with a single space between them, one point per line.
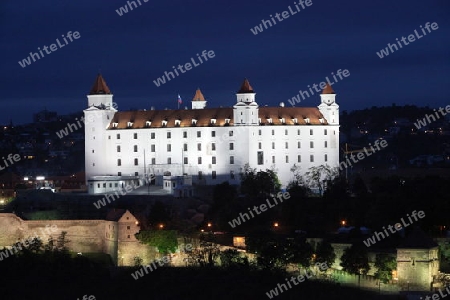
pixel 206 145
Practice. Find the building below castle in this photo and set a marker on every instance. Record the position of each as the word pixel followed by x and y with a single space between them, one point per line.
pixel 209 145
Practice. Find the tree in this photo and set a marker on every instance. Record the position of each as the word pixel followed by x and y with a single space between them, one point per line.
pixel 255 183
pixel 232 258
pixel 355 260
pixel 318 177
pixel 164 240
pixel 385 264
pixel 325 253
pixel 206 254
pixel 159 213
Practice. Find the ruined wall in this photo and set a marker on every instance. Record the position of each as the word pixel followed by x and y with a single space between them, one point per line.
pixel 416 268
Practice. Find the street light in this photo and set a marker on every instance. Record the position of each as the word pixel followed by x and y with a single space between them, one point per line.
pixel 275 224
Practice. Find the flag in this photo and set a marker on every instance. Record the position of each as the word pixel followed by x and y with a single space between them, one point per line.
pixel 179 99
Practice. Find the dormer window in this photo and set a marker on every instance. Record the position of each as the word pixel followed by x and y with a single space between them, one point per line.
pixel 213 121
pixel 115 124
pixel 177 123
pixel 295 120
pixel 269 120
pixel 194 122
pixel 164 123
pixel 130 124
pixel 307 120
pixel 322 120
pixel 282 120
pixel 259 120
pixel 227 121
pixel 148 123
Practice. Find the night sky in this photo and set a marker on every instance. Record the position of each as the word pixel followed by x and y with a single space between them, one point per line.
pixel 136 48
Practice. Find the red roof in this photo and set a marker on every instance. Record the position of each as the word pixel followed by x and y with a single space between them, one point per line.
pixel 198 96
pixel 328 89
pixel 245 87
pixel 99 87
pixel 203 116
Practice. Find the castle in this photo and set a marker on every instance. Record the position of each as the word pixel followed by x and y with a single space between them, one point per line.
pixel 208 145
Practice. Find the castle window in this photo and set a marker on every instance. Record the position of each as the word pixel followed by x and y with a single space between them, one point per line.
pixel 152 147
pixel 199 134
pixel 153 161
pixel 299 158
pixel 213 146
pixel 118 148
pixel 130 124
pixel 259 132
pixel 298 145
pixel 287 159
pixel 231 146
pixel 213 121
pixel 311 158
pixel 152 135
pixel 185 160
pixel 135 148
pixel 311 144
pixel 273 145
pixel 285 132
pixel 213 160
pixel 169 147
pixel 199 160
pixel 185 147
pixel 135 136
pixel 286 145
pixel 177 123
pixel 213 175
pixel 118 136
pixel 230 133
pixel 163 123
pixel 128 227
pixel 273 132
pixel 148 123
pixel 119 173
pixel 231 160
pixel 326 157
pixel 310 132
pixel 194 122
pixel 231 174
pixel 169 160
pixel 273 159
pixel 325 132
pixel 326 144
pixel 169 135
pixel 136 162
pixel 199 147
pixel 200 175
pixel 213 133
pixel 119 162
pixel 136 173
pixel 259 145
pixel 260 157
pixel 298 131
pixel 185 134
pixel 227 121
pixel 128 236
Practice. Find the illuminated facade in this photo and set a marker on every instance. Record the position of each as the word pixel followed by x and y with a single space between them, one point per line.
pixel 209 144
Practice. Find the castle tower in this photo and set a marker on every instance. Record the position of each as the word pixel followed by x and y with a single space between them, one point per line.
pixel 97 117
pixel 328 106
pixel 245 111
pixel 198 102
